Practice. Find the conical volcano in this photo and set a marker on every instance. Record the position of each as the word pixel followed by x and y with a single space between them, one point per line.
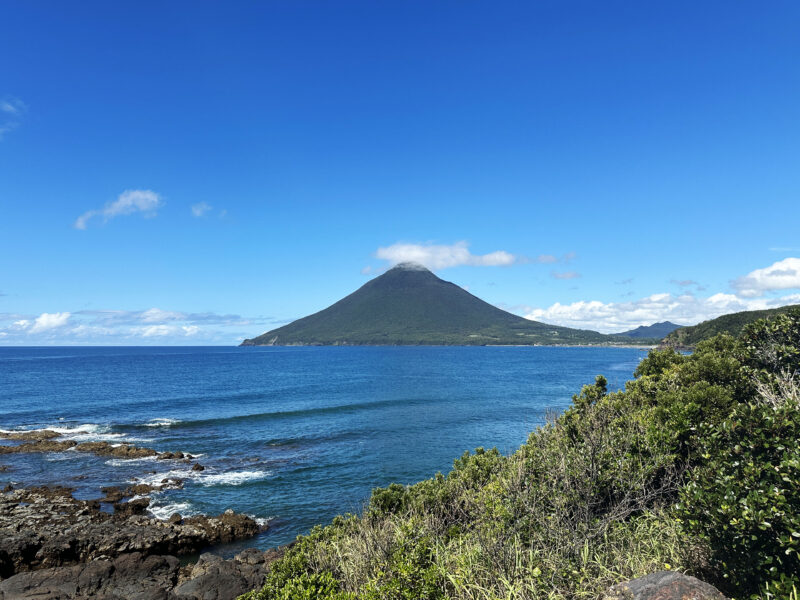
pixel 409 305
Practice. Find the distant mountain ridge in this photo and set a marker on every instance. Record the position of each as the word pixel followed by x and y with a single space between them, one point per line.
pixel 409 305
pixel 656 330
pixel 732 323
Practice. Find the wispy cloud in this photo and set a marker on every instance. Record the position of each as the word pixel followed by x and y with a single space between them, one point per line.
pixel 782 275
pixel 565 274
pixel 683 282
pixel 146 202
pixel 11 113
pixel 441 256
pixel 200 209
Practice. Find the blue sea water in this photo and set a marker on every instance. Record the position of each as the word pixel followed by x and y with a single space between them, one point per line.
pixel 294 435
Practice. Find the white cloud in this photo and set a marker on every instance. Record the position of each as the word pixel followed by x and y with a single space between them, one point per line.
pixel 47 321
pixel 565 275
pixel 160 331
pixel 201 208
pixel 782 275
pixel 11 112
pixel 156 315
pixel 129 202
pixel 153 330
pixel 685 309
pixel 12 106
pixel 105 327
pixel 439 256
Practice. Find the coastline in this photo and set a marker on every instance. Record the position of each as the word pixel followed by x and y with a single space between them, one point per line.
pixel 425 345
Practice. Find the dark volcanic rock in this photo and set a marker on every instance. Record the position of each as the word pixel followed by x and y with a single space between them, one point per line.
pixel 213 578
pixel 115 494
pixel 198 467
pixel 39 446
pixel 43 440
pixel 664 585
pixel 36 435
pixel 130 576
pixel 119 451
pixel 136 576
pixel 112 495
pixel 133 507
pixel 225 528
pixel 140 489
pixel 98 448
pixel 47 527
pixel 171 456
pixel 172 483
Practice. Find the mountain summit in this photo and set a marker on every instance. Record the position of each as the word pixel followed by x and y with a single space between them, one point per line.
pixel 409 305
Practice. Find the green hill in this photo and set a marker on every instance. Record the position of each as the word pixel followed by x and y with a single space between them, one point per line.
pixel 409 305
pixel 732 324
pixel 656 330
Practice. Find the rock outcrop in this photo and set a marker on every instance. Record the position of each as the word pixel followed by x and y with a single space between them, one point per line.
pixel 46 527
pixel 137 576
pixel 664 585
pixel 34 435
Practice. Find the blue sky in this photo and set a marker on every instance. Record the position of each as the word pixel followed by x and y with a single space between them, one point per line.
pixel 198 172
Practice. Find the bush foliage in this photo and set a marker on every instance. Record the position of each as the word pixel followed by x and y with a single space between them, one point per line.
pixel 695 466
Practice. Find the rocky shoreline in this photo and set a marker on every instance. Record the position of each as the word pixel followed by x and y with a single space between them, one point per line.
pixel 54 546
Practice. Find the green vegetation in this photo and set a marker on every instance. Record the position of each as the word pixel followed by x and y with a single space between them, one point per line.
pixel 410 305
pixel 694 466
pixel 733 324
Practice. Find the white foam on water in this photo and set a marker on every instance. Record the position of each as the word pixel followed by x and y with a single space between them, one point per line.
pixel 83 429
pixel 165 511
pixel 156 478
pixel 233 478
pixel 161 422
pixel 121 462
pixel 262 521
pixel 86 428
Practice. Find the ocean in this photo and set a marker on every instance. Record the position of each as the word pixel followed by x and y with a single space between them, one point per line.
pixel 290 435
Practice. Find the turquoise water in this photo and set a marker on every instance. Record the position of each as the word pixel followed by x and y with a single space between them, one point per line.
pixel 290 435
